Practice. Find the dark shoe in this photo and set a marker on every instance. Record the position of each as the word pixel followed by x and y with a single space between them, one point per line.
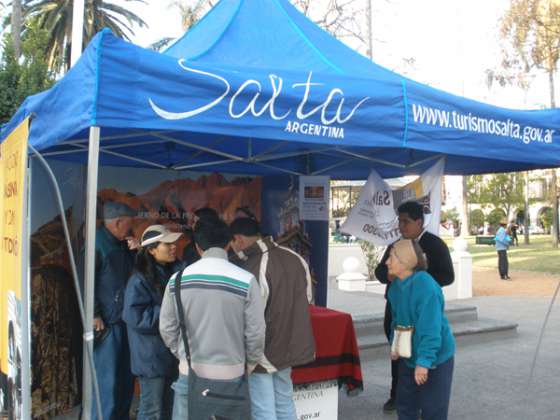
pixel 389 405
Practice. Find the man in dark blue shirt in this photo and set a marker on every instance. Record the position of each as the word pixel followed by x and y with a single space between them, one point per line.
pixel 113 266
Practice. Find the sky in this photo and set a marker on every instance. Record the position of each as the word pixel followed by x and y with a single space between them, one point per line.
pixel 452 42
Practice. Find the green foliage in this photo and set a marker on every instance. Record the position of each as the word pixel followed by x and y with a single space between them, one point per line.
pixel 546 219
pixel 29 75
pixel 373 254
pixel 451 215
pixel 504 190
pixel 495 216
pixel 55 16
pixel 476 218
pixel 532 27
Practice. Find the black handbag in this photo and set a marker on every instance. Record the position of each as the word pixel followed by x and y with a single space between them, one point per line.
pixel 211 398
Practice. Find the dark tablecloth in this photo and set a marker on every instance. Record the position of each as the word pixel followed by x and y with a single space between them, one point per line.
pixel 337 354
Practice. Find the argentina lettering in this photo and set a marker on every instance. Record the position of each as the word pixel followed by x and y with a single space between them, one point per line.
pixel 257 99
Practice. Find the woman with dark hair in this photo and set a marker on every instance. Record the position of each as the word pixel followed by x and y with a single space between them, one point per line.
pixel 421 338
pixel 151 361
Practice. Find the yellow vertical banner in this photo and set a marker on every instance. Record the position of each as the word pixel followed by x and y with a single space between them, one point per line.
pixel 13 166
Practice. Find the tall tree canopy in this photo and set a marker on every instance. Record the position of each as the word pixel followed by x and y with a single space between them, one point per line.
pixel 505 190
pixel 532 30
pixel 26 76
pixel 55 16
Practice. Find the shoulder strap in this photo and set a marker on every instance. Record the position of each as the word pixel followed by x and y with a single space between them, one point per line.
pixel 181 314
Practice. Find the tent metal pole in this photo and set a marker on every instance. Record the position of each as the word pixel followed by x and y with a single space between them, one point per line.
pixel 288 155
pixel 279 169
pixel 365 157
pixel 65 152
pixel 122 155
pixel 420 162
pixel 26 300
pixel 203 164
pixel 199 147
pixel 89 282
pixel 115 137
pixel 336 165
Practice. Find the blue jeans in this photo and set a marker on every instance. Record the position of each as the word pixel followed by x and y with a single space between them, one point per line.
pixel 156 398
pixel 181 398
pixel 116 383
pixel 272 396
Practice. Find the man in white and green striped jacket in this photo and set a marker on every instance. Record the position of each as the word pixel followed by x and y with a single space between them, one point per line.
pixel 224 315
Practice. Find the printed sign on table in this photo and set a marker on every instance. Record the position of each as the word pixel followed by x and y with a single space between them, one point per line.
pixel 317 400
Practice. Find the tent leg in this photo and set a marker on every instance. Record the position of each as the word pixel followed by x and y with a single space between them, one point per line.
pixel 26 303
pixel 91 207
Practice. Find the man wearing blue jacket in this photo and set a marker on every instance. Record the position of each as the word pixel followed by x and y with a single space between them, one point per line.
pixel 113 266
pixel 502 241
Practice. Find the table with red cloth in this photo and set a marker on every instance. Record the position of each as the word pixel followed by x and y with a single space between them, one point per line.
pixel 337 354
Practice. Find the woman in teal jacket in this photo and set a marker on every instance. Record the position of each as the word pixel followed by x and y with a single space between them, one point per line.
pixel 424 384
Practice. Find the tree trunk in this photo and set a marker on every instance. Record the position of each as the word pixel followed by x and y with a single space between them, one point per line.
pixel 553 171
pixel 465 225
pixel 370 29
pixel 526 210
pixel 16 27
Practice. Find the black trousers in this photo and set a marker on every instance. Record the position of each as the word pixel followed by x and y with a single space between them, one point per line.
pixel 503 264
pixel 394 363
pixel 431 399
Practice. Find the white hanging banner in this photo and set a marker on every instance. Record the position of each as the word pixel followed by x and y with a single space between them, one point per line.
pixel 374 218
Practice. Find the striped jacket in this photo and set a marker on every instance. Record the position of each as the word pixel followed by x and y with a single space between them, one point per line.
pixel 223 315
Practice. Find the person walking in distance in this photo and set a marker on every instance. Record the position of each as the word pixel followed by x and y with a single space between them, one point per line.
pixel 502 241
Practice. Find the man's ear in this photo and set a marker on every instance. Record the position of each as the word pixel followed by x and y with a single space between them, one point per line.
pixel 199 249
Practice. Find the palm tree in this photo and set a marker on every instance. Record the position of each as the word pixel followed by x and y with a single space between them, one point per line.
pixel 16 26
pixel 56 17
pixel 190 14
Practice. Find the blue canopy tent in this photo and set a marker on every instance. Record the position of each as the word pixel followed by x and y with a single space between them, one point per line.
pixel 260 89
pixel 257 88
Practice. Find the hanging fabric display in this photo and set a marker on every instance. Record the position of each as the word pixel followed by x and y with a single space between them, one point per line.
pixel 374 218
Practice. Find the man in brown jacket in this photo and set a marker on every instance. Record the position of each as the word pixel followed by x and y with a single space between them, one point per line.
pixel 285 284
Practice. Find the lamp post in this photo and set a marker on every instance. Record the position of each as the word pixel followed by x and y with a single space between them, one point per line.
pixel 77 39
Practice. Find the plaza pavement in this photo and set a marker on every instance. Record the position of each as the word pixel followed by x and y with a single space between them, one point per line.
pixel 491 371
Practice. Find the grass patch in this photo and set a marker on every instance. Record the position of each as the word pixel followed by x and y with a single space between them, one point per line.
pixel 539 255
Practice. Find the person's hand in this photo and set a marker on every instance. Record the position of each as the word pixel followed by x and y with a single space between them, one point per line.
pixel 132 243
pixel 98 324
pixel 421 375
pixel 394 355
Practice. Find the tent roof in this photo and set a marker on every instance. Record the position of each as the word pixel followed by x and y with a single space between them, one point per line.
pixel 243 33
pixel 256 88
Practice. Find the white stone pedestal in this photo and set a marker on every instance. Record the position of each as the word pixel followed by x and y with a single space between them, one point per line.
pixel 351 280
pixel 462 264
